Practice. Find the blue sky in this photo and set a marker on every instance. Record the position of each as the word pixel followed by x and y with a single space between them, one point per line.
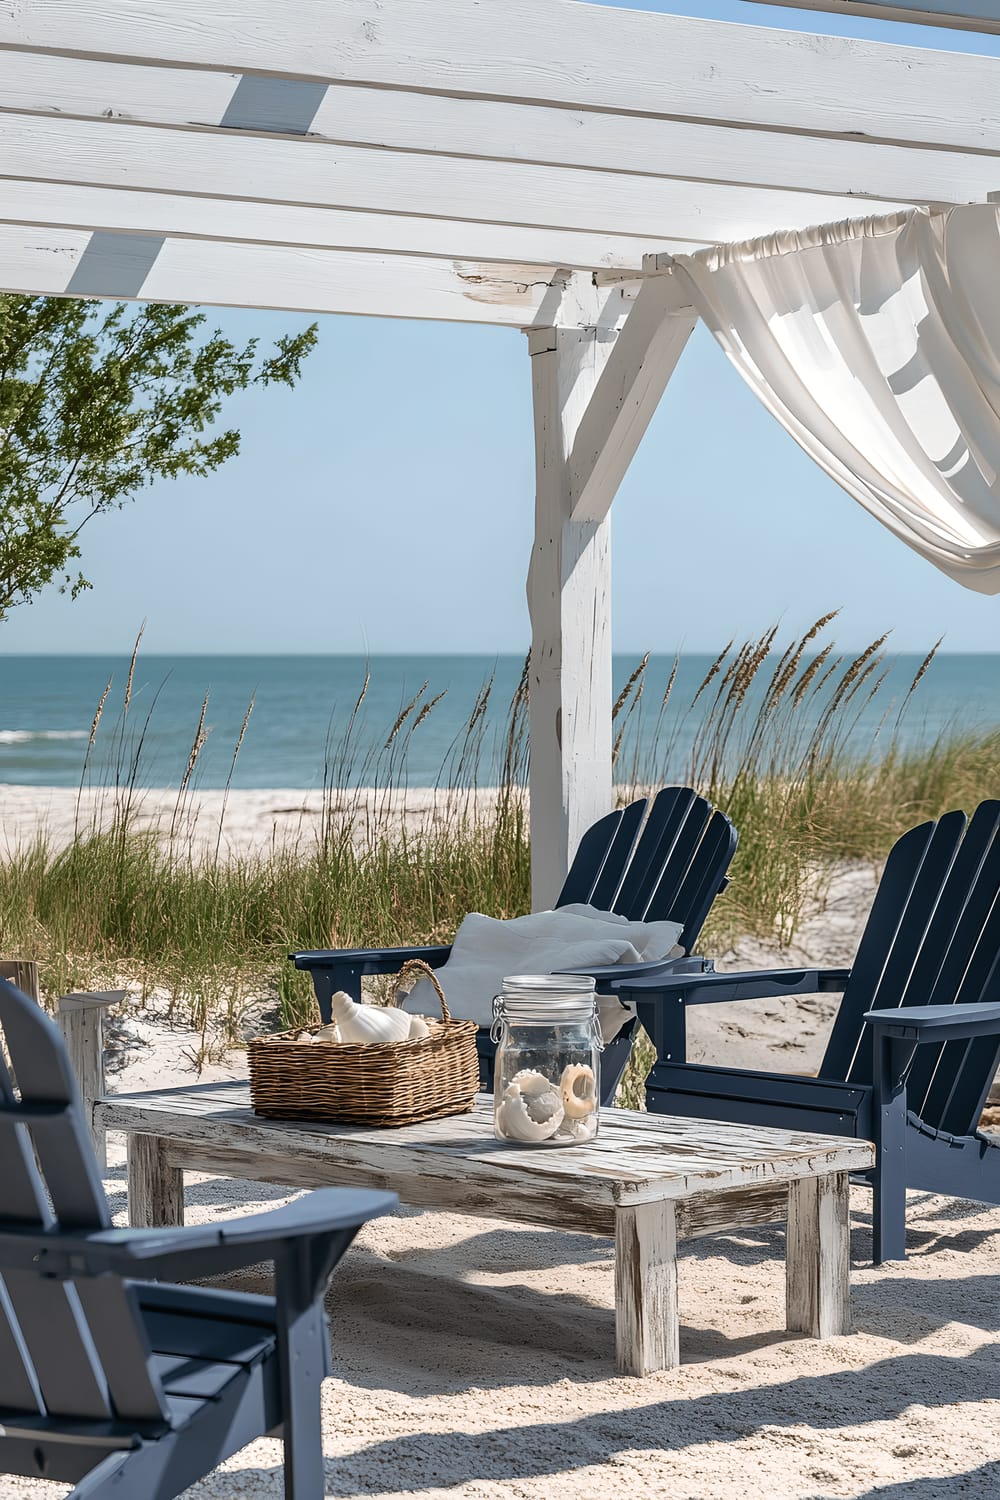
pixel 386 505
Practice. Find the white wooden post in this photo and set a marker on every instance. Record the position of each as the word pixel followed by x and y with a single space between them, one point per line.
pixel 569 598
pixel 594 391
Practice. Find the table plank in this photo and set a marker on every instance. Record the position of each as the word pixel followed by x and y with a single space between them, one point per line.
pixel 636 1158
pixel 649 1180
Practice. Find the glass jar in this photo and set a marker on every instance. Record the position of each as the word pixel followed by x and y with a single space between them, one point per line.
pixel 547 1079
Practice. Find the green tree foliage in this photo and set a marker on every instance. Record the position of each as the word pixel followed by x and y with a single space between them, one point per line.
pixel 98 400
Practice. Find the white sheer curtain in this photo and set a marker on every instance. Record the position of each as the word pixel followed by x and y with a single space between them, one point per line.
pixel 876 344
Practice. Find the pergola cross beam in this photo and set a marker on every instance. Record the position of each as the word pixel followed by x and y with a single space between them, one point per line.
pixel 962 15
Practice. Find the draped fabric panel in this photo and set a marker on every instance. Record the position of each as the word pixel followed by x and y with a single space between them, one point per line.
pixel 876 344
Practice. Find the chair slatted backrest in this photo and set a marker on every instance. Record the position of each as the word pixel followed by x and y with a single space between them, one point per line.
pixel 67 1349
pixel 933 938
pixel 670 866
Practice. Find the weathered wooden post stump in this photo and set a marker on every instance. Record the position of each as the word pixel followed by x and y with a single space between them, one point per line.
pixel 81 1020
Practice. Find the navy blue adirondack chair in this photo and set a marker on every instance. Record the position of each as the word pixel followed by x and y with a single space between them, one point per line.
pixel 667 864
pixel 916 1041
pixel 124 1386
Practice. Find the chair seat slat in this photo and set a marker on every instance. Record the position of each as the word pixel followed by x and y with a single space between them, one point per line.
pixel 202 1378
pixel 191 1338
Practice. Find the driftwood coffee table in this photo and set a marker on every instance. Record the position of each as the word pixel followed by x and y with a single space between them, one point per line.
pixel 648 1180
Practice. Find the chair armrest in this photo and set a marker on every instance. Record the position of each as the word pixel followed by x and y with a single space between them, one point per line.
pixel 196 1249
pixel 370 960
pixel 610 973
pixel 935 1023
pixel 718 989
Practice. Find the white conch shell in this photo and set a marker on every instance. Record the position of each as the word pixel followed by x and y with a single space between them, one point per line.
pixel 368 1023
pixel 418 1028
pixel 578 1087
pixel 531 1108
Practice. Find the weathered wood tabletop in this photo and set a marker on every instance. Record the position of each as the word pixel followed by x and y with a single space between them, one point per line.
pixel 648 1180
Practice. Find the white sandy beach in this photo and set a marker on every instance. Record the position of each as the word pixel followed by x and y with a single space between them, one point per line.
pixel 253 821
pixel 474 1358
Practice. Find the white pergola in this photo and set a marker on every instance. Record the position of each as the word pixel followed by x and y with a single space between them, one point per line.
pixel 525 163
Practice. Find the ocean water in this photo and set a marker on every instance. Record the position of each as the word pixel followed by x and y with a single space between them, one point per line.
pixel 303 705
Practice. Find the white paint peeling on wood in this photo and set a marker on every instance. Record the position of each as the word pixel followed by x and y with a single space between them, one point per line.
pixel 648 1179
pixel 818 1256
pixel 636 1157
pixel 647 1326
pixel 336 281
pixel 39 260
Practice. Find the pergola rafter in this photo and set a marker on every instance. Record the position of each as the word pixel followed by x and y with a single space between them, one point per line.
pixel 529 164
pixel 962 15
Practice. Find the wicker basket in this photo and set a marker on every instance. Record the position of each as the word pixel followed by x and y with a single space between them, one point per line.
pixel 375 1083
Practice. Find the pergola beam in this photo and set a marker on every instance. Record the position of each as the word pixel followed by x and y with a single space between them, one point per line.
pixel 961 15
pixel 648 63
pixel 226 274
pixel 157 159
pixel 507 130
pixel 78 206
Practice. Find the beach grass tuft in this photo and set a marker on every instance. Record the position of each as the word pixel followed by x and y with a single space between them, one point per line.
pixel 772 739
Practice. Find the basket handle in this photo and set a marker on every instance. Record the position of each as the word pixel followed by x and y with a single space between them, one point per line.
pixel 417 966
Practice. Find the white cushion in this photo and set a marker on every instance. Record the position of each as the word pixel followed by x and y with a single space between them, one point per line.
pixel 572 937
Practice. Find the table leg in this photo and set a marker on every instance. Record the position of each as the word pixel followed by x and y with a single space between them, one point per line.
pixel 818 1288
pixel 646 1323
pixel 155 1190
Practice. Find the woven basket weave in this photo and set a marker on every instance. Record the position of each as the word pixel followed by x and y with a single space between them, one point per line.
pixel 374 1083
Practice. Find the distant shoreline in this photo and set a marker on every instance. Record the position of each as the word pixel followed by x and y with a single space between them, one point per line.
pixel 255 820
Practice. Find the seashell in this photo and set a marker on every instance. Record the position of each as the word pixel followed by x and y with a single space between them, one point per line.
pixel 577 1130
pixel 531 1108
pixel 329 1033
pixel 368 1023
pixel 578 1087
pixel 418 1028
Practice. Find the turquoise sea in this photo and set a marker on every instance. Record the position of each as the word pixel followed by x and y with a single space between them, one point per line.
pixel 302 703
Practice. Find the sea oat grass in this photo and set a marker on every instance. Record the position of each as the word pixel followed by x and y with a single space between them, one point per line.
pixel 766 746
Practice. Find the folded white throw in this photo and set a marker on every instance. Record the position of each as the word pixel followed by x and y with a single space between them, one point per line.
pixel 571 937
